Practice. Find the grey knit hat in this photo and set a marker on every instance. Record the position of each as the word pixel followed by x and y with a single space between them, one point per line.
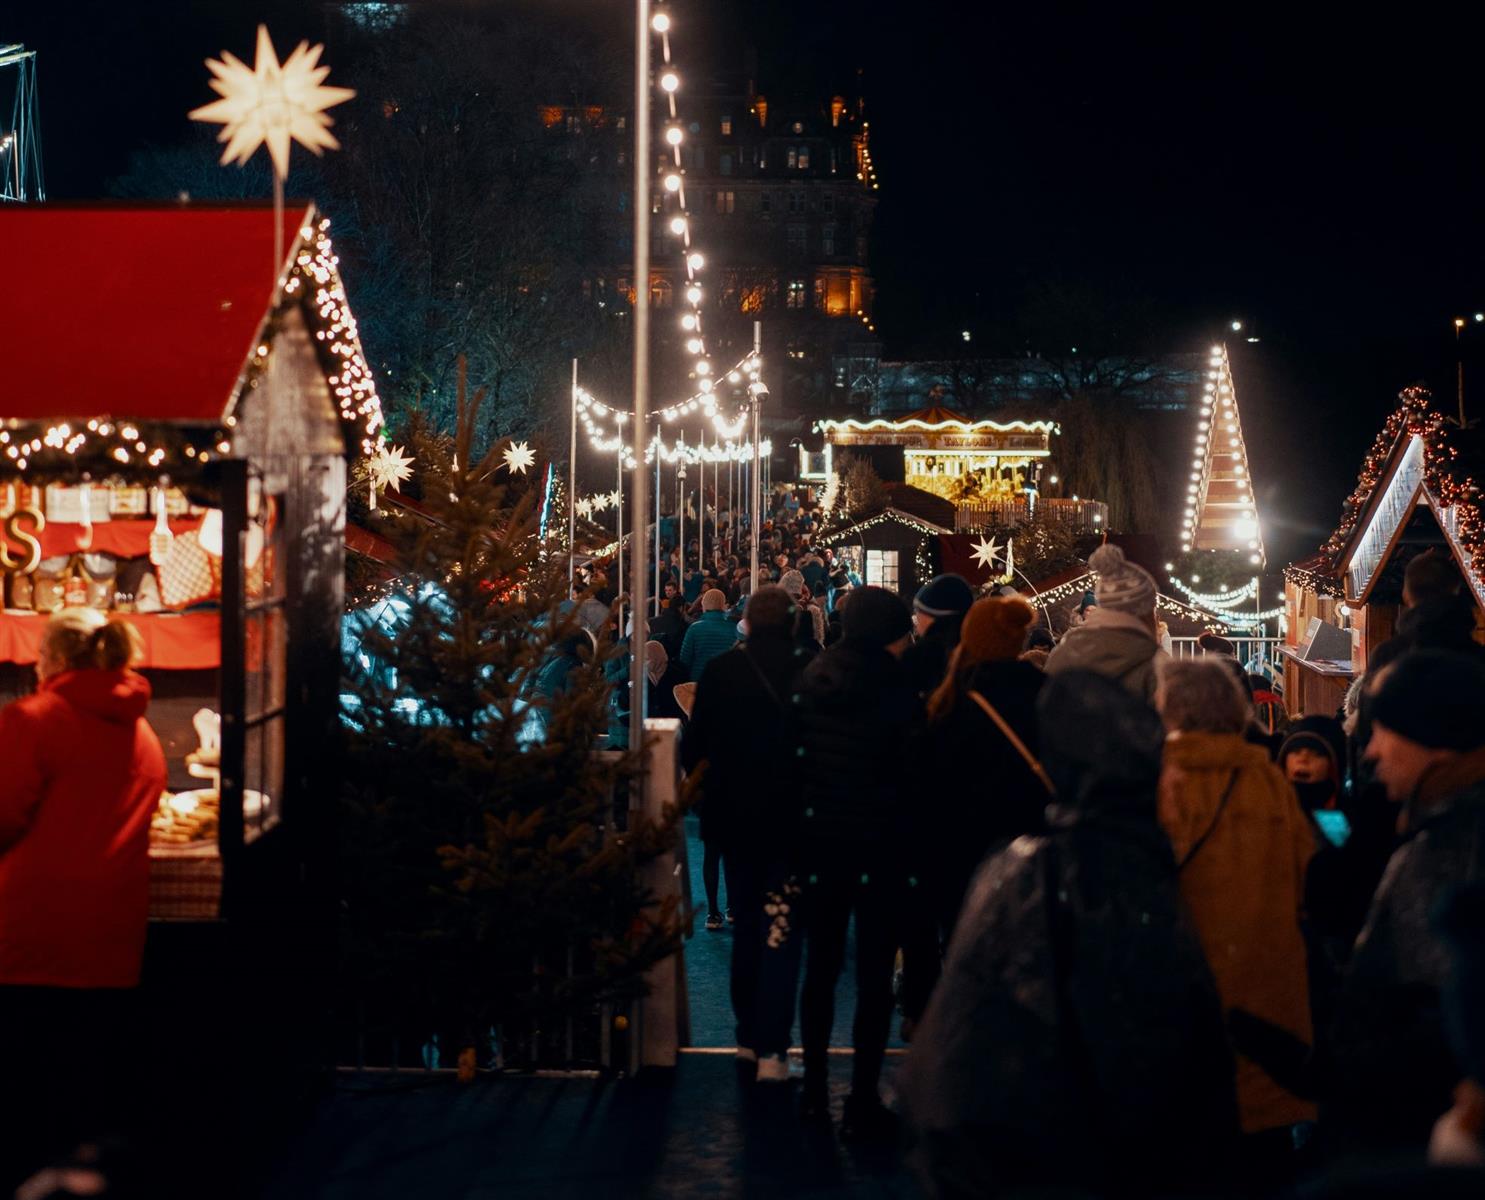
pixel 1122 585
pixel 793 583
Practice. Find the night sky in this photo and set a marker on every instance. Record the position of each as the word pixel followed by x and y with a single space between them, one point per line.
pixel 1319 180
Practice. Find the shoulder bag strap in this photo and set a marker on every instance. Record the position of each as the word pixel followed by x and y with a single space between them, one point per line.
pixel 1010 736
pixel 763 679
pixel 1217 816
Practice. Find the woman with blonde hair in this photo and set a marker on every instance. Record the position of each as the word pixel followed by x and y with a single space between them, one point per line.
pixel 83 772
pixel 1242 846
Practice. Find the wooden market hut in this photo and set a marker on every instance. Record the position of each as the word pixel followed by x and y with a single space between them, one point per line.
pixel 1418 490
pixel 177 411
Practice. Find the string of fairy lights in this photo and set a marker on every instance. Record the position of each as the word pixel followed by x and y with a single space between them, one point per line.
pixel 1219 434
pixel 595 414
pixel 68 448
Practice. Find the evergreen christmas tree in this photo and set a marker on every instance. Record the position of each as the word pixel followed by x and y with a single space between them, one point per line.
pixel 490 873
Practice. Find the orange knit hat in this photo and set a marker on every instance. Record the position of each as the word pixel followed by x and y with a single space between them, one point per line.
pixel 994 630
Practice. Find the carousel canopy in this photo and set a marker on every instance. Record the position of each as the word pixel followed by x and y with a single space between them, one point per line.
pixel 150 312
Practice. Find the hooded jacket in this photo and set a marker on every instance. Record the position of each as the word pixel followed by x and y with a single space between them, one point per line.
pixel 1241 864
pixel 1076 1035
pixel 1395 1073
pixel 1112 644
pixel 83 776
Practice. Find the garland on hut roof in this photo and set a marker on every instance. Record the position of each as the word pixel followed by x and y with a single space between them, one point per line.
pixel 1445 478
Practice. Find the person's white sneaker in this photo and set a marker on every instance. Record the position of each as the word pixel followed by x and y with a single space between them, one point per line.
pixel 746 1054
pixel 773 1068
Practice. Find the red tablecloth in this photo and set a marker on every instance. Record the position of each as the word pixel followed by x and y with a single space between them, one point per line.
pixel 126 537
pixel 172 641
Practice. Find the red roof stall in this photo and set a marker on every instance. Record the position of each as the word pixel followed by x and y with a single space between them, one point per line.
pixel 176 413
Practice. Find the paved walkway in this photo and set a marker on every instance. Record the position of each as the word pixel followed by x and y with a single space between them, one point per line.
pixel 697 1131
pixel 708 961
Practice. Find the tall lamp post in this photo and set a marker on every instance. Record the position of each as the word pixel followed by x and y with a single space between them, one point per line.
pixel 756 391
pixel 643 166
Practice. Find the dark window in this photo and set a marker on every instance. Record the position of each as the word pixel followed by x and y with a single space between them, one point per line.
pixel 827 203
pixel 827 240
pixel 796 238
pixel 792 158
pixel 724 164
pixel 765 203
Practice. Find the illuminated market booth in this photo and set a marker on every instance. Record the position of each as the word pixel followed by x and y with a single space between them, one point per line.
pixel 991 471
pixel 176 412
pixel 1417 491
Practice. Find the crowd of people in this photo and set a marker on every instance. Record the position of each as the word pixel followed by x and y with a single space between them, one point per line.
pixel 1143 937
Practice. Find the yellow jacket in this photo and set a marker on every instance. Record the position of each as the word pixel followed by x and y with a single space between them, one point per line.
pixel 1244 888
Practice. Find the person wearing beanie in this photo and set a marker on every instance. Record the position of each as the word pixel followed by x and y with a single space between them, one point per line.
pixel 1117 636
pixel 1312 757
pixel 977 789
pixel 743 728
pixel 857 711
pixel 938 609
pixel 810 629
pixel 712 635
pixel 1394 1072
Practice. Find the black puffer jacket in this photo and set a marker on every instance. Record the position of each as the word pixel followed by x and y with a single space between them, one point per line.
pixel 1076 1037
pixel 857 713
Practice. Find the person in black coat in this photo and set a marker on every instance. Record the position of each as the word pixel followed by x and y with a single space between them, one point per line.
pixel 977 790
pixel 742 731
pixel 1076 1040
pixel 857 711
pixel 938 610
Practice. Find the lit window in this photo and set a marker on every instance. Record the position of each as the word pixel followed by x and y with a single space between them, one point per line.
pixel 794 294
pixel 726 202
pixel 881 568
pixel 804 158
pixel 793 158
pixel 726 126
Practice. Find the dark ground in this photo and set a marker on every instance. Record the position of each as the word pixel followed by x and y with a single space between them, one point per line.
pixel 699 1130
pixel 695 1131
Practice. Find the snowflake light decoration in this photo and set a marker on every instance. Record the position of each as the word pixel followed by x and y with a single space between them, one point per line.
pixel 272 103
pixel 518 457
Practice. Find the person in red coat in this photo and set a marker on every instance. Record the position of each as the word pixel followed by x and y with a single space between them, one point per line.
pixel 81 773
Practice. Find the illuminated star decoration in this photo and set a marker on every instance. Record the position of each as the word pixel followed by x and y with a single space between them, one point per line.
pixel 600 502
pixel 272 103
pixel 518 457
pixel 585 509
pixel 615 500
pixel 986 552
pixel 390 467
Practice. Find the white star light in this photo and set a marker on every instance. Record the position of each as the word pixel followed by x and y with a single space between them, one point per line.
pixel 614 499
pixel 584 509
pixel 600 502
pixel 986 552
pixel 272 103
pixel 518 457
pixel 390 467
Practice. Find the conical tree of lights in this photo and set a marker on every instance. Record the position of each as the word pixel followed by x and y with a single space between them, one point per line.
pixel 1221 510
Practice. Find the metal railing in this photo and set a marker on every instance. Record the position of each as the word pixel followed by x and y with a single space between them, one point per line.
pixel 1250 650
pixel 1079 514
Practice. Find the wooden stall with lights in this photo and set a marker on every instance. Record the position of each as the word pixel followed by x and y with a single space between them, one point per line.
pixel 176 413
pixel 1416 492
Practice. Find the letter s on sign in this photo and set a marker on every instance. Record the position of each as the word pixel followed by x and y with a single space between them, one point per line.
pixel 25 537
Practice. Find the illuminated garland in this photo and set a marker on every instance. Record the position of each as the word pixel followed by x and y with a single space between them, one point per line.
pixel 1319 582
pixel 887 514
pixel 105 446
pixel 1222 600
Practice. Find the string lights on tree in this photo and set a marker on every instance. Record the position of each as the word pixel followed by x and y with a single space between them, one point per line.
pixel 1221 512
